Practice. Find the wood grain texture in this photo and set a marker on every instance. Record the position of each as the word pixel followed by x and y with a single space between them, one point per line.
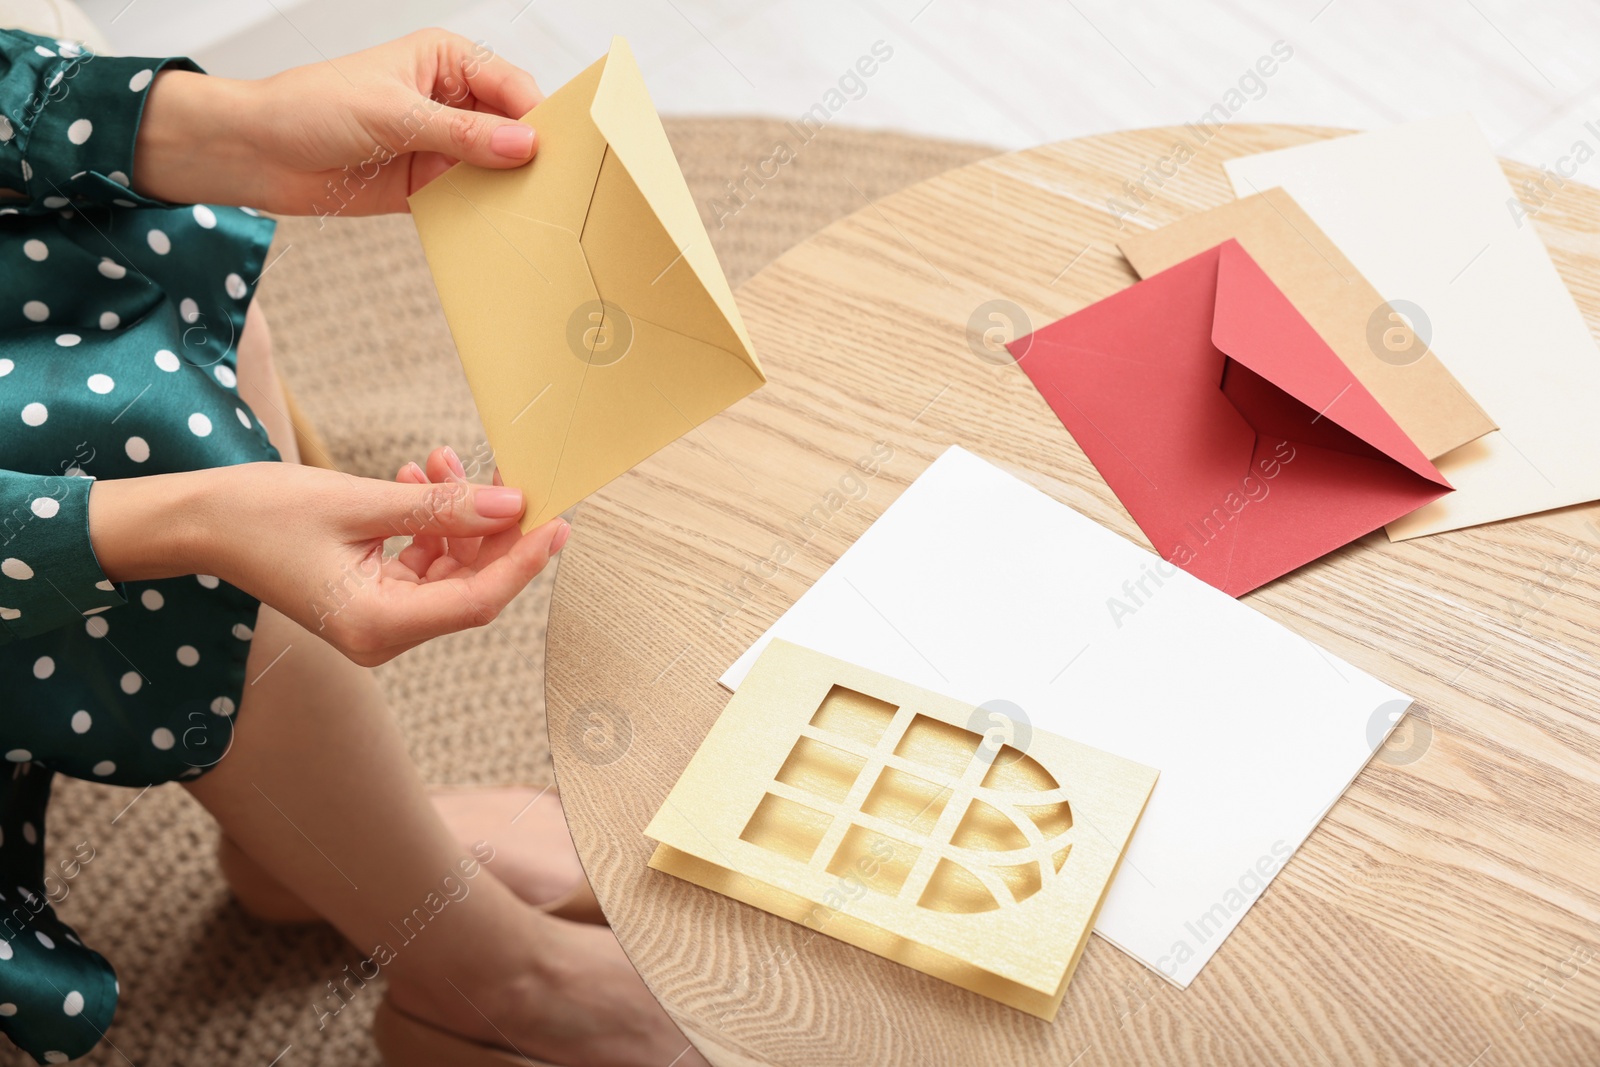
pixel 1447 911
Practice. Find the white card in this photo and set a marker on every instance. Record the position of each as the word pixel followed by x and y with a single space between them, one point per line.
pixel 1425 212
pixel 977 585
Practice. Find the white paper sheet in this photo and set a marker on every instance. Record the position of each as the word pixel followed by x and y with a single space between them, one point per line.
pixel 977 585
pixel 1424 211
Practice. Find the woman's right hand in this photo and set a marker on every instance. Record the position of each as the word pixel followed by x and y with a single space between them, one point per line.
pixel 309 542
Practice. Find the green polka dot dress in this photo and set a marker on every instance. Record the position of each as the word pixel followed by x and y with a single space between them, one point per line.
pixel 119 321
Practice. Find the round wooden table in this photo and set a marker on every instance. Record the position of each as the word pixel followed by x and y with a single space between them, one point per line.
pixel 1447 911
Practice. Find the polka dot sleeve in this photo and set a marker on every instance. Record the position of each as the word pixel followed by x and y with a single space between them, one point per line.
pixel 68 121
pixel 48 572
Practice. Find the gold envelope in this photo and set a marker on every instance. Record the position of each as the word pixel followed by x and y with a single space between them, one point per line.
pixel 1377 345
pixel 592 318
pixel 897 820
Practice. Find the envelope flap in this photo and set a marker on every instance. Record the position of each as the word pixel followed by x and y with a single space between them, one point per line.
pixel 641 272
pixel 1336 299
pixel 1255 325
pixel 623 113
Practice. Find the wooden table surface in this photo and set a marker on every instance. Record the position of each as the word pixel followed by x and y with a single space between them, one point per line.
pixel 1447 910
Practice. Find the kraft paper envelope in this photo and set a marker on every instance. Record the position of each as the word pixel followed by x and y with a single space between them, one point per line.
pixel 928 831
pixel 1373 340
pixel 590 313
pixel 1255 730
pixel 1425 212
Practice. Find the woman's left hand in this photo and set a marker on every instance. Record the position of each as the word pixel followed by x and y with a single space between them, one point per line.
pixel 349 136
pixel 431 558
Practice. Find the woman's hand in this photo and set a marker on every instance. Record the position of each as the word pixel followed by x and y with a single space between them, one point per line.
pixel 310 542
pixel 352 136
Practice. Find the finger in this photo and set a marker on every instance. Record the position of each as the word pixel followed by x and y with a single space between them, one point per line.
pixel 496 545
pixel 419 555
pixel 445 466
pixel 393 570
pixel 426 166
pixel 423 550
pixel 418 613
pixel 443 567
pixel 526 558
pixel 442 509
pixel 415 559
pixel 483 140
pixel 497 83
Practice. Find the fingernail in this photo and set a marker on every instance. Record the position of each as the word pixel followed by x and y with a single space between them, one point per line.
pixel 496 502
pixel 561 536
pixel 453 461
pixel 513 140
pixel 416 472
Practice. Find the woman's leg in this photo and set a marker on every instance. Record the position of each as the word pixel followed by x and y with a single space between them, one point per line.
pixel 525 826
pixel 534 853
pixel 319 790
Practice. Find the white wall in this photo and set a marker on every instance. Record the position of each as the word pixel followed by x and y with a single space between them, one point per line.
pixel 1010 73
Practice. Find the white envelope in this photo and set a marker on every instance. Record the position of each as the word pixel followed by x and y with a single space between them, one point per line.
pixel 1255 731
pixel 1424 211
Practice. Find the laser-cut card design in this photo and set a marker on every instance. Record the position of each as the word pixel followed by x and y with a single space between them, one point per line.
pixel 882 814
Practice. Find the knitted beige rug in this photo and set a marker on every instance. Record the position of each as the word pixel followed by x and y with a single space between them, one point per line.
pixel 362 342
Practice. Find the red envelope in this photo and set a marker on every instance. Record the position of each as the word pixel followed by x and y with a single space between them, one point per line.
pixel 1238 441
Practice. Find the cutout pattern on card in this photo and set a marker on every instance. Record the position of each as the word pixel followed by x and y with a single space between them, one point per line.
pixel 938 817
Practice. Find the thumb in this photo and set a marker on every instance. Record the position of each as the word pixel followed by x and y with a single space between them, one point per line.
pixel 442 509
pixel 478 138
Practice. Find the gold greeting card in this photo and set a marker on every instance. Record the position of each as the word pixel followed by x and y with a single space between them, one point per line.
pixel 894 819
